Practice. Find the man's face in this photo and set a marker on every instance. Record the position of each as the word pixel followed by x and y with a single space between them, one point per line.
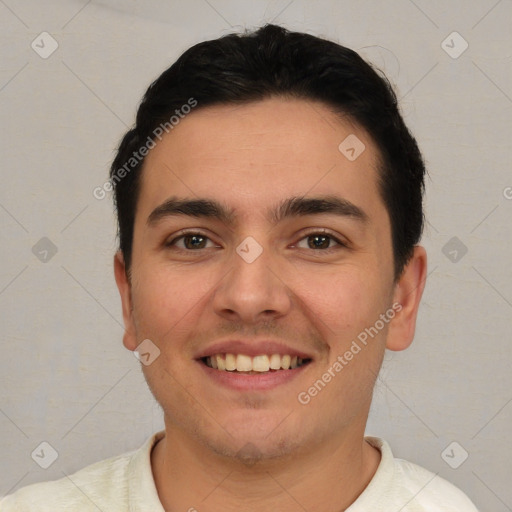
pixel 278 274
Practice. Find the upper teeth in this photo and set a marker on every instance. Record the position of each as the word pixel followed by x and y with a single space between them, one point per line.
pixel 243 363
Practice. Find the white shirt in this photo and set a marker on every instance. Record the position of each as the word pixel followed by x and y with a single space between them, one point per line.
pixel 125 484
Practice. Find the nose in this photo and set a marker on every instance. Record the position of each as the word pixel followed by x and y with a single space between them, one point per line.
pixel 253 290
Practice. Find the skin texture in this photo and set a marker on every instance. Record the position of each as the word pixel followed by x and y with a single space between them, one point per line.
pixel 225 449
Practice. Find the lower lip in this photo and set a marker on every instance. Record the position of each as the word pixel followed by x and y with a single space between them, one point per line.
pixel 253 382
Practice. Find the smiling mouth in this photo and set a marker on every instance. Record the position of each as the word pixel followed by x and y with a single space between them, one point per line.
pixel 241 363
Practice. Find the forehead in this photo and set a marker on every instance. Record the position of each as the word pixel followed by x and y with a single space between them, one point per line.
pixel 253 154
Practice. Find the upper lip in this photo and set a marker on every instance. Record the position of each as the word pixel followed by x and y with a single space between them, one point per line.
pixel 251 348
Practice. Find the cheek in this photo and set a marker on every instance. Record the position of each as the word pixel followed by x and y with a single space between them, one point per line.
pixel 167 298
pixel 340 302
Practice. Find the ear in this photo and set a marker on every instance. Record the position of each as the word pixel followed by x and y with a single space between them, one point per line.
pixel 124 287
pixel 408 292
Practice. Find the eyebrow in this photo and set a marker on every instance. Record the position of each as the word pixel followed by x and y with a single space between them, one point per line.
pixel 205 208
pixel 301 206
pixel 291 207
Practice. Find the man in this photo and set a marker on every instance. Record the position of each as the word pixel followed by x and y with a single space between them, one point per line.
pixel 269 201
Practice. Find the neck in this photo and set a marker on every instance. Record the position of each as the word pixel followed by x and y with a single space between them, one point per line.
pixel 328 477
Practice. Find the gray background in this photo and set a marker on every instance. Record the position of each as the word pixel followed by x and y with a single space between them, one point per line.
pixel 66 378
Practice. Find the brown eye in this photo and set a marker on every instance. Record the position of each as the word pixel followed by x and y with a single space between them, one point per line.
pixel 319 241
pixel 192 242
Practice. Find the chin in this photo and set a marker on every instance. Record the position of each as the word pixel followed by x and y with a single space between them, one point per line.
pixel 255 436
pixel 250 451
pixel 258 425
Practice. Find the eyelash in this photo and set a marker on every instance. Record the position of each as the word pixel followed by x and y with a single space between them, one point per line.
pixel 339 243
pixel 182 236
